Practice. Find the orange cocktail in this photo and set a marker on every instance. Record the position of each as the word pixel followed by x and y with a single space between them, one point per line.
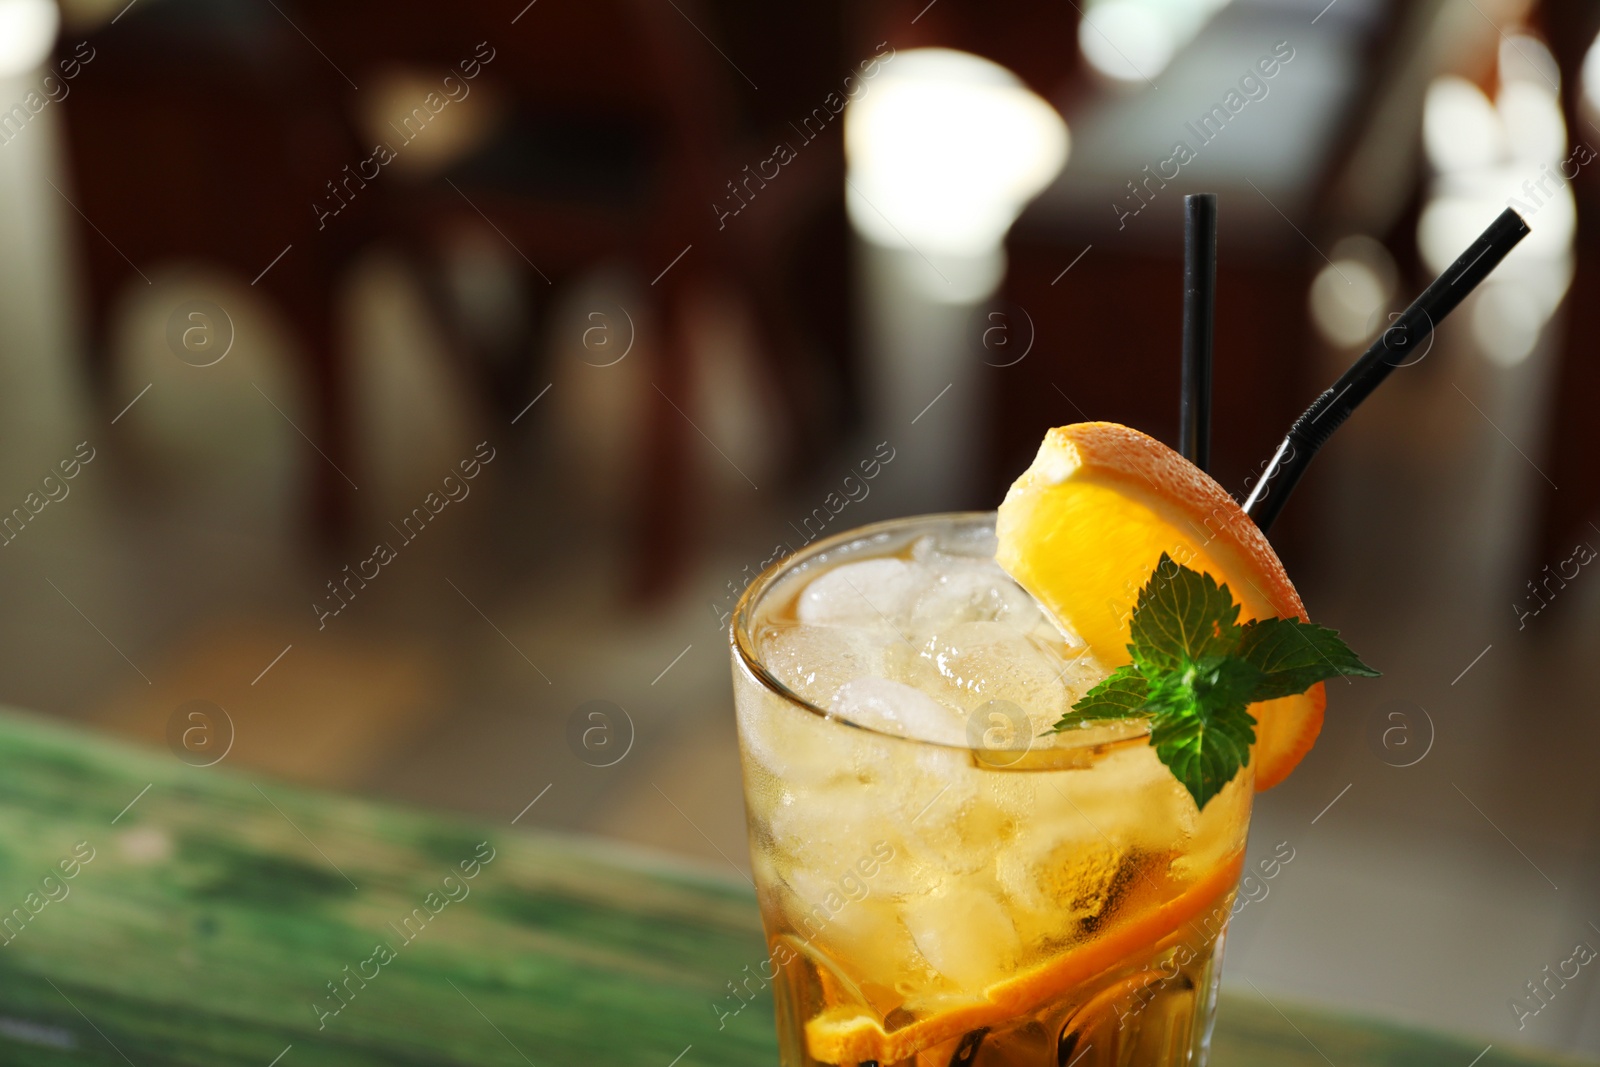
pixel 945 878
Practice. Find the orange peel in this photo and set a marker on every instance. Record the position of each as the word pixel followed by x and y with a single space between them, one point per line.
pixel 849 1034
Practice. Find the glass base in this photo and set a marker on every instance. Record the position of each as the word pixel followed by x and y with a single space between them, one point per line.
pixel 1157 1011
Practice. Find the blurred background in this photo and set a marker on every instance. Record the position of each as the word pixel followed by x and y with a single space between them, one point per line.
pixel 411 385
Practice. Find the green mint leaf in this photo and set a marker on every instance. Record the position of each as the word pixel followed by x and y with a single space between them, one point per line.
pixel 1202 730
pixel 1204 746
pixel 1214 682
pixel 1181 615
pixel 1292 656
pixel 1196 671
pixel 1120 696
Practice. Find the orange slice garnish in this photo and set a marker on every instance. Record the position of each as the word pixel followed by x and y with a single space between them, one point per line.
pixel 1082 530
pixel 849 1034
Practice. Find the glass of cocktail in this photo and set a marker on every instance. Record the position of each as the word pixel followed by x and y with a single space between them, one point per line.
pixel 958 860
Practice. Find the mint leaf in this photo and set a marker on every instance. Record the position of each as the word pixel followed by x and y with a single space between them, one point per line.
pixel 1204 746
pixel 1292 656
pixel 1181 615
pixel 1201 730
pixel 1118 697
pixel 1196 671
pixel 1214 682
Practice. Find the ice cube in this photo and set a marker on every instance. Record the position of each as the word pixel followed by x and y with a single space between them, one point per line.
pixel 793 744
pixel 868 934
pixel 825 829
pixel 814 661
pixel 963 589
pixel 977 662
pixel 974 587
pixel 776 740
pixel 1055 883
pixel 898 709
pixel 964 934
pixel 958 830
pixel 956 542
pixel 879 594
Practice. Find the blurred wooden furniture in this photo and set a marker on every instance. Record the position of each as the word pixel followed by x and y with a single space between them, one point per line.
pixel 604 152
pixel 220 915
pixel 231 134
pixel 1107 346
pixel 200 132
pixel 615 136
pixel 1570 514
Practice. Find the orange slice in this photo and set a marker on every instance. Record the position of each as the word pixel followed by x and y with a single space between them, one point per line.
pixel 850 1035
pixel 1082 530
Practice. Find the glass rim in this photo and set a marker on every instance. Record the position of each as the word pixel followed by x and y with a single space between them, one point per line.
pixel 744 614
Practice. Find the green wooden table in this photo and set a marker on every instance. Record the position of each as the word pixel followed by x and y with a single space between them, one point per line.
pixel 209 917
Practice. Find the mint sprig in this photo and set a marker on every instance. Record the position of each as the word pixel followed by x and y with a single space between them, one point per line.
pixel 1196 671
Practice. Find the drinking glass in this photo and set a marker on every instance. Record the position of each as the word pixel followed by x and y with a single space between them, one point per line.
pixel 1014 899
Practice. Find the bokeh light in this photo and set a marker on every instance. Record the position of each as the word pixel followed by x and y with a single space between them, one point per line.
pixel 1132 41
pixel 1348 294
pixel 945 150
pixel 27 31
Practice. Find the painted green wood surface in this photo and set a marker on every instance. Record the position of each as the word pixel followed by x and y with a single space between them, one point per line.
pixel 216 910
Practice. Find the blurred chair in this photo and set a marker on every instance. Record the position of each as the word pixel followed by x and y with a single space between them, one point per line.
pixel 1569 514
pixel 198 133
pixel 614 137
pixel 226 132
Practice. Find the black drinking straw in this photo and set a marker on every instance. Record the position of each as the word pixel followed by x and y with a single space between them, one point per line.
pixel 1400 344
pixel 1199 299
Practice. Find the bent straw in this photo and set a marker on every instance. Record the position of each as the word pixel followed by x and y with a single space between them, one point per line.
pixel 1392 349
pixel 1199 299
